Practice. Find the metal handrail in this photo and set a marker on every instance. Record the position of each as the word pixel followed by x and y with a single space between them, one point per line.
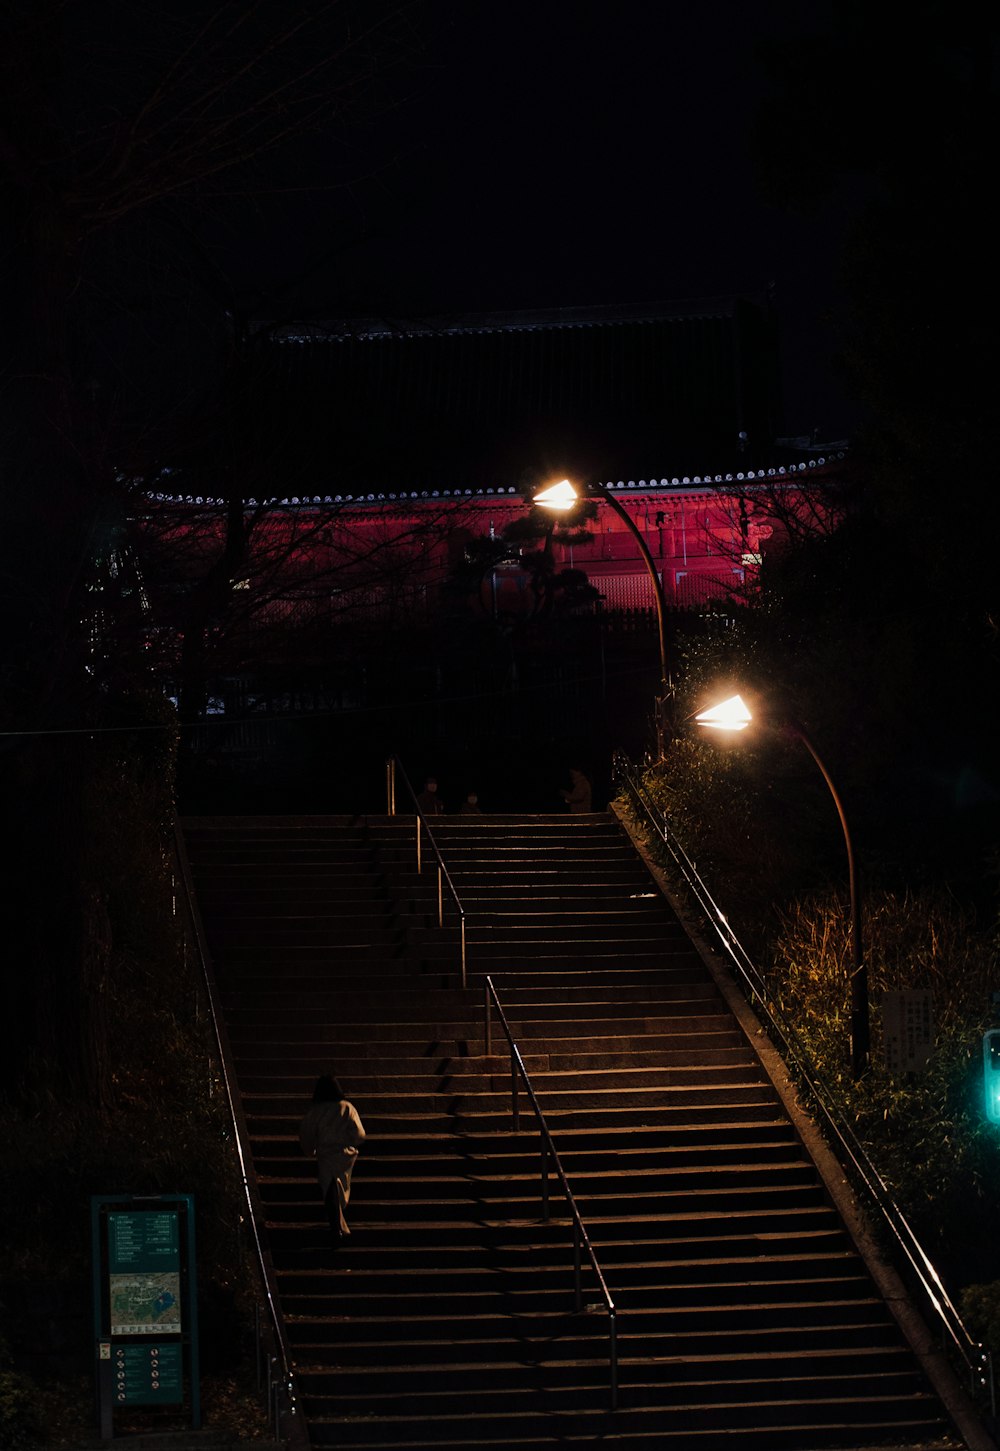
pixel 977 1359
pixel 297 1434
pixel 580 1236
pixel 392 766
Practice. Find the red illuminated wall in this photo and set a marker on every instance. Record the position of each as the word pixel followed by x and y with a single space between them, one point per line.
pixel 705 536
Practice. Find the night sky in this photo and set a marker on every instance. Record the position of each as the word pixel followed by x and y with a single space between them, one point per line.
pixel 532 155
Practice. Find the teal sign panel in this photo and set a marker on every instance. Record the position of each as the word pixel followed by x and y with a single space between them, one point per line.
pixel 145 1304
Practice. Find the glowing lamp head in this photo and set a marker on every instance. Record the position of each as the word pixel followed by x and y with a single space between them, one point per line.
pixel 559 497
pixel 730 715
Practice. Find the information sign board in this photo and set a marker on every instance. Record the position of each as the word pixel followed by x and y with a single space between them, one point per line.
pixel 145 1318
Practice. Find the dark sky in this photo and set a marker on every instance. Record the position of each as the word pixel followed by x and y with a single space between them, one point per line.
pixel 556 154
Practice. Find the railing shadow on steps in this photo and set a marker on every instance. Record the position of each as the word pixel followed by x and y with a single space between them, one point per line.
pixel 971 1357
pixel 581 1239
pixel 394 769
pixel 274 1358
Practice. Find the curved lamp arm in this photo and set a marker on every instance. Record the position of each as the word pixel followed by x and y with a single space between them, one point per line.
pixel 654 576
pixel 860 1016
pixel 734 715
pixel 563 495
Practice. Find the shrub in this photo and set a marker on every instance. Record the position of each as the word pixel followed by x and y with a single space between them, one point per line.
pixel 18 1397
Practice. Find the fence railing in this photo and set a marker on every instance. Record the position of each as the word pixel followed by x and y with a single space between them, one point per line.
pixel 274 1359
pixel 920 1272
pixel 393 771
pixel 581 1240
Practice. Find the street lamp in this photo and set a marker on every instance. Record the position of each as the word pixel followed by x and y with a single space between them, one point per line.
pixel 734 715
pixel 563 496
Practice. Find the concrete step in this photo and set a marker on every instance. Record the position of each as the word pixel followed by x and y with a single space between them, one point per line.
pixel 538 1247
pixel 673 1091
pixel 769 1223
pixel 688 1050
pixel 615 1156
pixel 417 998
pixel 457 1039
pixel 774 1428
pixel 412 1141
pixel 559 1339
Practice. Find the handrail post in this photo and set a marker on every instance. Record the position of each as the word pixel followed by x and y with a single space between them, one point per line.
pixel 390 785
pixel 272 1393
pixel 515 1112
pixel 440 897
pixel 576 1266
pixel 487 1016
pixel 545 1179
pixel 419 867
pixel 462 930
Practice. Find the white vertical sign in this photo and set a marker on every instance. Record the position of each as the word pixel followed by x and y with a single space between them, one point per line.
pixel 908 1028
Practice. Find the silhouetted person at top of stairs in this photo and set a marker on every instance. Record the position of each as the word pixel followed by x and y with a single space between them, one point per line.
pixel 470 806
pixel 429 801
pixel 332 1131
pixel 578 797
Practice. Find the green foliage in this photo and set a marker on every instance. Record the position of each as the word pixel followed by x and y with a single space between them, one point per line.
pixel 980 1308
pixel 927 1132
pixel 18 1421
pixel 527 542
pixel 19 1425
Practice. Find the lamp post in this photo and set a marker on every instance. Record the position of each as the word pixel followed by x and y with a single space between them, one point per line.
pixel 563 496
pixel 734 715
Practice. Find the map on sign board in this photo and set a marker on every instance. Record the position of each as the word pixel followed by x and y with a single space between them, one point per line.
pixel 144 1280
pixel 146 1304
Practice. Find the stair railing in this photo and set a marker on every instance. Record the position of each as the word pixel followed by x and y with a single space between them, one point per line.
pixel 394 768
pixel 581 1239
pixel 976 1358
pixel 275 1361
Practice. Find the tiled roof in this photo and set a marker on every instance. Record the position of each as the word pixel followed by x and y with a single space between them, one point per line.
pixel 789 473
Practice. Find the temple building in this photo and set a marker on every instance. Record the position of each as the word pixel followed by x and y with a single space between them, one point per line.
pixel 356 568
pixel 397 444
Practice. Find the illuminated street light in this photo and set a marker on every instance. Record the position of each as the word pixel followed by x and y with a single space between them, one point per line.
pixel 734 715
pixel 563 496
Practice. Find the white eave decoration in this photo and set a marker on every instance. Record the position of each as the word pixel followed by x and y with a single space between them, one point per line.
pixel 639 486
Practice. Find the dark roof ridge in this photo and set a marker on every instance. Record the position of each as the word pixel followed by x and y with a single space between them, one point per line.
pixel 518 320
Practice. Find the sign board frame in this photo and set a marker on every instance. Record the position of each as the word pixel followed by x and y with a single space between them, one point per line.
pixel 145 1308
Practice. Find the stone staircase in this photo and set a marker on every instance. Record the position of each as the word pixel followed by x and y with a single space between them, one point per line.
pixel 746 1316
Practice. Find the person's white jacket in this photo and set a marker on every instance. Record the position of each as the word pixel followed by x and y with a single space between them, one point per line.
pixel 332 1132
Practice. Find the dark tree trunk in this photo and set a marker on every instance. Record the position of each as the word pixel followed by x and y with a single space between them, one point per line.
pixel 206 605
